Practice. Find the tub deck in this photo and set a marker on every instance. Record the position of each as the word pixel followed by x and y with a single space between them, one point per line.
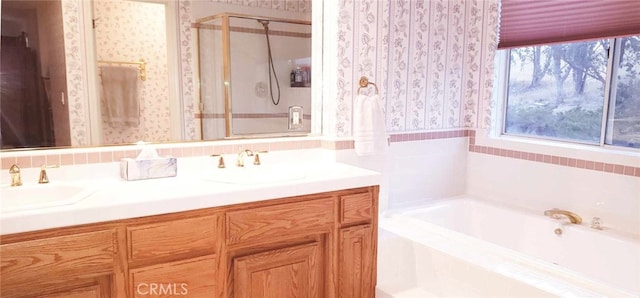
pixel 418 258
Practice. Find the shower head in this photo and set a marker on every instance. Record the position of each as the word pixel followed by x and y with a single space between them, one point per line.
pixel 265 24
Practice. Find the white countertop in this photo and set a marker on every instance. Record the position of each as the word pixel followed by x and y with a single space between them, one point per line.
pixel 116 199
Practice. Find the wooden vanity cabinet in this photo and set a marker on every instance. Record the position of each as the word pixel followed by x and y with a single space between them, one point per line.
pixel 321 245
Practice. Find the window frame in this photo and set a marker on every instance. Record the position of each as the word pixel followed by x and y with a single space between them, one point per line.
pixel 502 74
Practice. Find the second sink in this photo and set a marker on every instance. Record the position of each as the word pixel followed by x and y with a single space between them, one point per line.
pixel 256 174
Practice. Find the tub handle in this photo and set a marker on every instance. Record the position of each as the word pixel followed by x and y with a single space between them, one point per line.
pixel 596 223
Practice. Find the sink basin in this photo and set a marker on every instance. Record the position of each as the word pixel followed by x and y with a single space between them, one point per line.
pixel 256 174
pixel 38 196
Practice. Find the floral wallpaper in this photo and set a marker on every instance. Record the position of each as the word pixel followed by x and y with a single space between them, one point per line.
pixel 490 45
pixel 129 31
pixel 285 5
pixel 186 72
pixel 362 43
pixel 77 73
pixel 432 59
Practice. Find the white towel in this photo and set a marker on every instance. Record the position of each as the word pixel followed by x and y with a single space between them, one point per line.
pixel 120 95
pixel 369 132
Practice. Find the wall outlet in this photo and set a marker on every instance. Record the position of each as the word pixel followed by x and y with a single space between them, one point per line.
pixel 295 118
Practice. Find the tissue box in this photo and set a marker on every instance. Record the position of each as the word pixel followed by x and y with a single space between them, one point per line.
pixel 138 169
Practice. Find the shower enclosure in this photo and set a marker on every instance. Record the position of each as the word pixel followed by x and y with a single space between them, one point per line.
pixel 254 75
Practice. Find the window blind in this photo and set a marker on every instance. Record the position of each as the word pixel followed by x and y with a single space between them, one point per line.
pixel 534 22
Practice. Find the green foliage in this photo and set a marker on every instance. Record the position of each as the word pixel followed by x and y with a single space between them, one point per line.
pixel 574 124
pixel 628 99
pixel 578 123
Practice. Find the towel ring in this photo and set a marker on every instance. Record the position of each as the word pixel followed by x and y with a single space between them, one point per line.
pixel 364 83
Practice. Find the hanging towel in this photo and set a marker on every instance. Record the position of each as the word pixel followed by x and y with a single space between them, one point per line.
pixel 120 95
pixel 369 132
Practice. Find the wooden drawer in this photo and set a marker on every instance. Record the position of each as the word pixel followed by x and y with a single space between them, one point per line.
pixel 172 238
pixel 280 220
pixel 189 278
pixel 57 258
pixel 356 208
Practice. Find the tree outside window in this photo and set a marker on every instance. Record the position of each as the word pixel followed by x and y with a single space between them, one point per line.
pixel 560 92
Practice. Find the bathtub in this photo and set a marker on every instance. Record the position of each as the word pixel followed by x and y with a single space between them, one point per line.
pixel 465 247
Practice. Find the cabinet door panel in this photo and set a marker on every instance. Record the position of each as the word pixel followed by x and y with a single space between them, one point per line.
pixel 356 261
pixel 288 272
pixel 194 278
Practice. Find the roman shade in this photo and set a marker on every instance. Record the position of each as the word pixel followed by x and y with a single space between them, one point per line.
pixel 534 22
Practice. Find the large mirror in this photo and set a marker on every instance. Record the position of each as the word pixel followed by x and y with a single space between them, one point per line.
pixel 134 73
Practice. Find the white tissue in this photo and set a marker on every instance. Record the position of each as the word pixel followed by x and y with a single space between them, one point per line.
pixel 147 152
pixel 148 165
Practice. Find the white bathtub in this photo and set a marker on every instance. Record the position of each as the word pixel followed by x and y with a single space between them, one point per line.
pixel 464 247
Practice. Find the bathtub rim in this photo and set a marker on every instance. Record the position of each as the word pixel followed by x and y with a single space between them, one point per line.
pixel 416 206
pixel 496 255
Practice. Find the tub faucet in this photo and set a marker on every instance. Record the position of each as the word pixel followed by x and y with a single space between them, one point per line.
pixel 556 213
pixel 241 155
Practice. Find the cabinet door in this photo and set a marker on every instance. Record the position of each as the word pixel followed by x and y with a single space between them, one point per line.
pixel 357 256
pixel 289 272
pixel 193 278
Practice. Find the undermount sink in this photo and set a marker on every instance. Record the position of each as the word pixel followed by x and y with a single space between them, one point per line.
pixel 36 196
pixel 256 174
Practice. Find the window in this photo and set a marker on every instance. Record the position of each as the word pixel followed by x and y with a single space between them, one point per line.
pixel 587 92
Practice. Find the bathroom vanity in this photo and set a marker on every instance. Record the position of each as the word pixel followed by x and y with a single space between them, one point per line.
pixel 306 243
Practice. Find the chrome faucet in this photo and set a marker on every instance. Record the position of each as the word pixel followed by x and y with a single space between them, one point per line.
pixel 556 213
pixel 241 155
pixel 16 180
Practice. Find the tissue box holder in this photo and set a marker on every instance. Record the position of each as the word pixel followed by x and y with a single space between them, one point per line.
pixel 139 169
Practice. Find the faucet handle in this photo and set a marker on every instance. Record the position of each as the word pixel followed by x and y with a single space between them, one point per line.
pixel 220 160
pixel 596 223
pixel 14 169
pixel 256 159
pixel 43 173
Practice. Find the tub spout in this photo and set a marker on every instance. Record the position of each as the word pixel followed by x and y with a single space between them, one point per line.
pixel 556 213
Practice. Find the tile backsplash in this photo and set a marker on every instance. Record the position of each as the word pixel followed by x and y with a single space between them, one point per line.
pixel 36 158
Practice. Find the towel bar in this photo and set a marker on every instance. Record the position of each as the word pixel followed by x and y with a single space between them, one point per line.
pixel 364 83
pixel 142 66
